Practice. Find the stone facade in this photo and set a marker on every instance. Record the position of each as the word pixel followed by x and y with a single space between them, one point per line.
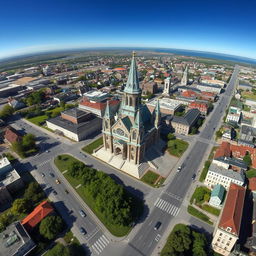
pixel 134 129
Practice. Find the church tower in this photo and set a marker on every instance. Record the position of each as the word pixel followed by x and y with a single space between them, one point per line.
pixel 131 100
pixel 184 80
pixel 108 121
pixel 167 86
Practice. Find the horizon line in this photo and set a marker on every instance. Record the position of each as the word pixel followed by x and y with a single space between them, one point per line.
pixel 29 53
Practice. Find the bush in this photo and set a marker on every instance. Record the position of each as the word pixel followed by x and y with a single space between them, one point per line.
pixel 200 195
pixel 211 209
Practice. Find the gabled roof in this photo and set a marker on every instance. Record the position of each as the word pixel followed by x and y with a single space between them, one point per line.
pixel 40 212
pixel 12 135
pixel 223 150
pixel 188 118
pixel 233 210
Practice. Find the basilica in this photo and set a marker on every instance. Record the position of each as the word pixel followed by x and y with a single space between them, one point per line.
pixel 129 132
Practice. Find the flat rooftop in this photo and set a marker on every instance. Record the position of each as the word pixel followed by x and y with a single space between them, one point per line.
pixel 165 103
pixel 13 238
pixel 9 178
pixel 4 162
pixel 92 94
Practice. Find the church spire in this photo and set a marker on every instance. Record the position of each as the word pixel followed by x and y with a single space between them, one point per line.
pixel 132 85
pixel 138 120
pixel 108 113
pixel 157 114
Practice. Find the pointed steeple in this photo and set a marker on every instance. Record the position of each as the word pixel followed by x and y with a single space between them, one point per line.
pixel 157 114
pixel 108 114
pixel 138 120
pixel 132 85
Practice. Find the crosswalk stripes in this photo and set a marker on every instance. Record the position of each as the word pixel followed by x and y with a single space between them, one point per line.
pixel 167 207
pixel 100 244
pixel 43 163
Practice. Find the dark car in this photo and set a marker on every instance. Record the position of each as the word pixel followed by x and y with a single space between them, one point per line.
pixel 193 176
pixel 66 191
pixel 51 174
pixel 158 225
pixel 82 231
pixel 54 192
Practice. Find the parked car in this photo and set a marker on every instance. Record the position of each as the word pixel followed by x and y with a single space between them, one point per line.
pixel 54 192
pixel 57 181
pixel 82 231
pixel 66 191
pixel 158 225
pixel 42 174
pixel 193 176
pixel 179 169
pixel 82 213
pixel 51 174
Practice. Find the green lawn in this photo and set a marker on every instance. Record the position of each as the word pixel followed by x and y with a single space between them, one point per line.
pixel 248 95
pixel 200 195
pixel 211 209
pixel 37 120
pixel 63 164
pixel 95 144
pixel 150 178
pixel 205 170
pixel 194 212
pixel 177 147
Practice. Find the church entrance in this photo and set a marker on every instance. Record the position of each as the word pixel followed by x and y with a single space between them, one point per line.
pixel 118 151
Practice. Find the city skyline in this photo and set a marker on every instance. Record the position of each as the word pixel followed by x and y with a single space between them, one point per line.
pixel 37 27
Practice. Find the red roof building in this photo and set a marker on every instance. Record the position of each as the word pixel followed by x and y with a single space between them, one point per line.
pixel 233 209
pixel 39 213
pixel 98 108
pixel 207 96
pixel 189 94
pixel 12 135
pixel 238 151
pixel 202 107
pixel 252 184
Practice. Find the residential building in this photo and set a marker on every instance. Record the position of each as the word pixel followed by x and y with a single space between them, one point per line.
pixel 183 124
pixel 15 241
pixel 37 215
pixel 209 96
pixel 228 230
pixel 209 88
pixel 75 124
pixel 217 195
pixel 65 96
pixel 9 90
pixel 149 87
pixel 247 136
pixel 213 82
pixel 202 107
pixel 12 135
pixel 16 104
pixel 244 86
pixel 250 102
pixel 234 114
pixel 219 175
pixel 167 106
pixel 230 163
pixel 98 107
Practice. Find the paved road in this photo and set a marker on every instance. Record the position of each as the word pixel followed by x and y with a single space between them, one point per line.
pixel 167 205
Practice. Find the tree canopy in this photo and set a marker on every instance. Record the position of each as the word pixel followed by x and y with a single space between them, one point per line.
pixel 59 249
pixel 20 205
pixel 51 226
pixel 6 111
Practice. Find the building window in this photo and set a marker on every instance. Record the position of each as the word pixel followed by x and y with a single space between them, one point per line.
pixel 134 135
pixel 106 125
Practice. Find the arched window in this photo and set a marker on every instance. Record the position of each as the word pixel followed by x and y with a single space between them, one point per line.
pixel 134 135
pixel 106 124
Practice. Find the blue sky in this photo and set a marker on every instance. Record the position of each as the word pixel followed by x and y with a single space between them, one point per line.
pixel 225 26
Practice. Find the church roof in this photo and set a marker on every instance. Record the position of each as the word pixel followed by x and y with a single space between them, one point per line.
pixel 127 122
pixel 138 120
pixel 132 85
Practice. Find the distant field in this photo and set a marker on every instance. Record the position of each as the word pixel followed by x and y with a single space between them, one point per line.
pixel 248 95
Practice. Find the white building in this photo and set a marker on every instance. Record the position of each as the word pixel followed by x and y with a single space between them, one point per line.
pixel 209 88
pixel 234 114
pixel 217 195
pixel 219 175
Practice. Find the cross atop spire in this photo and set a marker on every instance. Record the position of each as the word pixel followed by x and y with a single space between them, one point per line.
pixel 132 85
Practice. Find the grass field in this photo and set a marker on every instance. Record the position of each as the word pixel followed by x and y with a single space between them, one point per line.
pixel 211 209
pixel 177 147
pixel 194 212
pixel 63 164
pixel 151 177
pixel 38 119
pixel 95 144
pixel 248 95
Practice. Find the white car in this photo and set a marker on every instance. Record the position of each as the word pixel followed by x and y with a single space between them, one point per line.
pixel 179 169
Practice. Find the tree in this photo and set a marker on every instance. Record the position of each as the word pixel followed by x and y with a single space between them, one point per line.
pixel 18 148
pixel 6 111
pixel 51 226
pixel 28 141
pixel 62 104
pixel 59 249
pixel 199 244
pixel 34 192
pixel 20 205
pixel 247 159
pixel 193 130
pixel 219 134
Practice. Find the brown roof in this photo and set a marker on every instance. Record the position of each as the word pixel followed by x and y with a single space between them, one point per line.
pixel 40 212
pixel 12 135
pixel 233 210
pixel 98 105
pixel 223 150
pixel 252 184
